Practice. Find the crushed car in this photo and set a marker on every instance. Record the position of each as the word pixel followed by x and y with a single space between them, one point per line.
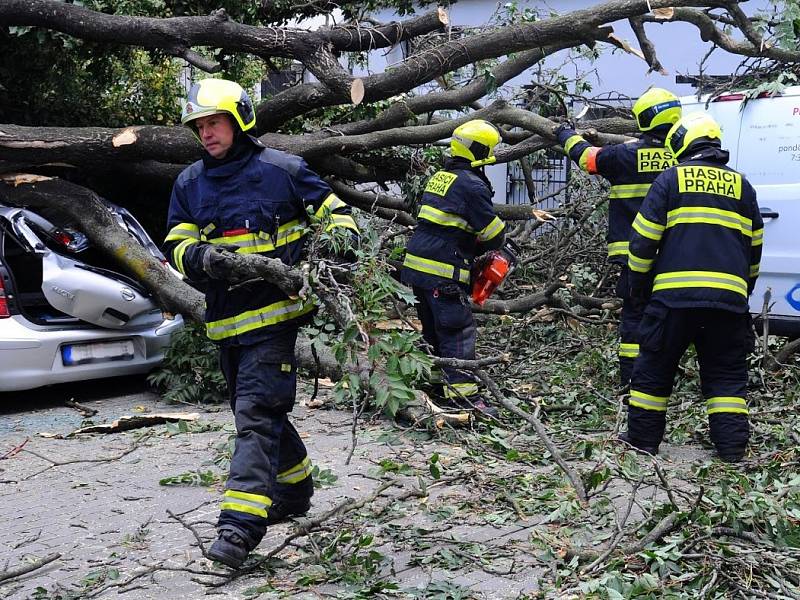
pixel 67 313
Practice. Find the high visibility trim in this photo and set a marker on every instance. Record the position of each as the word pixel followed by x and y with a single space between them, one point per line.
pixel 246 502
pixel 700 279
pixel 345 221
pixel 331 203
pixel 460 390
pixel 648 401
pixel 629 190
pixel 435 267
pixel 618 248
pixel 640 265
pixel 445 219
pixel 278 312
pixel 755 270
pixel 648 228
pixel 178 253
pixel 591 160
pixel 492 230
pixel 710 216
pixel 572 141
pixel 260 241
pixel 628 350
pixel 183 231
pixel 758 237
pixel 726 404
pixel 296 473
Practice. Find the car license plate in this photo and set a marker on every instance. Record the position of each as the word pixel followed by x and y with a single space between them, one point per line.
pixel 81 354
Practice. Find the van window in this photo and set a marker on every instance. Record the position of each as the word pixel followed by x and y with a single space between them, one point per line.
pixel 769 144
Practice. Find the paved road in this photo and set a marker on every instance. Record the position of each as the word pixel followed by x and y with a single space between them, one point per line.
pixel 96 500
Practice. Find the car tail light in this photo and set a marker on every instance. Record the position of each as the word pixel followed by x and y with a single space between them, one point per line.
pixel 3 301
pixel 63 237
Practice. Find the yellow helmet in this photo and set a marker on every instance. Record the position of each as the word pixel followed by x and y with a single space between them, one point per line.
pixel 474 140
pixel 691 128
pixel 212 96
pixel 657 107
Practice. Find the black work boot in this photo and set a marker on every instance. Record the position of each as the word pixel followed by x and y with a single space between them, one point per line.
pixel 293 503
pixel 640 448
pixel 230 549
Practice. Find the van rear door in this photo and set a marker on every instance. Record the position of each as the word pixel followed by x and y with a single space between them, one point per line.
pixel 769 156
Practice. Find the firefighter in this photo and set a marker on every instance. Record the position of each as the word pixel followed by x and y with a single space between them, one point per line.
pixel 630 168
pixel 456 223
pixel 695 249
pixel 248 199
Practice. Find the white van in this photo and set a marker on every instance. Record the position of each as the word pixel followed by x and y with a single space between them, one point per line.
pixel 763 137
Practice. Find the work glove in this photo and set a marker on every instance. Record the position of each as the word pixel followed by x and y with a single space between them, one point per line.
pixel 215 260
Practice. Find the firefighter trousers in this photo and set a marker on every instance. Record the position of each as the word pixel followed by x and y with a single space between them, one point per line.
pixel 632 311
pixel 449 327
pixel 722 340
pixel 269 458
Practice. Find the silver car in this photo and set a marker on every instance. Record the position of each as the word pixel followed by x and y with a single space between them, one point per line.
pixel 66 313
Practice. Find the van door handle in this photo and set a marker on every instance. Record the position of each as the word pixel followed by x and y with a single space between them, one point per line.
pixel 768 213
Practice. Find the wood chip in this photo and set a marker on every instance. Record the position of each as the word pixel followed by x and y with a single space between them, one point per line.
pixel 357 91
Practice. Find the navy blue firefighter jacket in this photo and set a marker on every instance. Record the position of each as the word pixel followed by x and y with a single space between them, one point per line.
pixel 456 223
pixel 698 236
pixel 257 201
pixel 630 168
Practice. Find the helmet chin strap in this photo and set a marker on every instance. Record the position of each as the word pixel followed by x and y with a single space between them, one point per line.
pixel 486 161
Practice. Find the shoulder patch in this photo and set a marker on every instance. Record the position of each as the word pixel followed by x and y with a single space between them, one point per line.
pixel 440 183
pixel 288 162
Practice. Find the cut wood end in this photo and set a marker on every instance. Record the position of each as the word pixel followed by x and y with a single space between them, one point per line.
pixel 16 179
pixel 444 18
pixel 357 91
pixel 125 137
pixel 664 13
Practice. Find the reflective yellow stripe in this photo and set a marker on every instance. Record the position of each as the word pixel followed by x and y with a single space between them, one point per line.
pixel 246 502
pixel 179 251
pixel 252 243
pixel 296 473
pixel 491 230
pixel 726 404
pixel 445 219
pixel 648 228
pixel 249 496
pixel 629 190
pixel 345 221
pixel 182 231
pixel 258 512
pixel 271 314
pixel 435 267
pixel 460 390
pixel 571 141
pixel 629 350
pixel 710 216
pixel 701 279
pixel 758 237
pixel 640 265
pixel 648 402
pixel 755 270
pixel 329 206
pixel 618 248
pixel 583 161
